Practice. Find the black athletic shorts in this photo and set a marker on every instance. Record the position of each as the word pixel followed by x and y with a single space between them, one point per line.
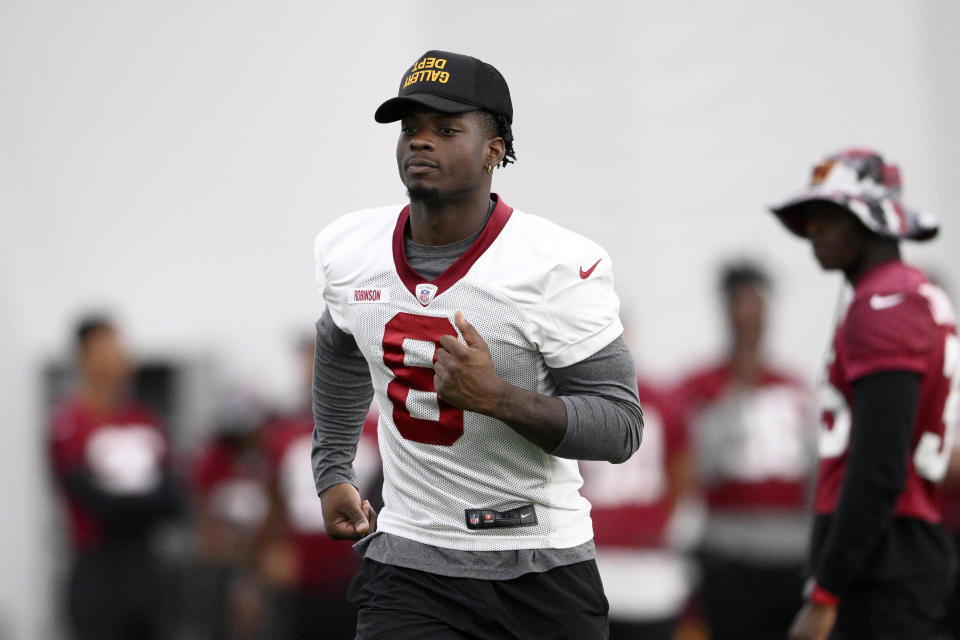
pixel 565 603
pixel 890 612
pixel 902 589
pixel 115 592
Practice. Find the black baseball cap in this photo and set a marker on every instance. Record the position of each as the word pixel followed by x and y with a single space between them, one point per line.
pixel 449 83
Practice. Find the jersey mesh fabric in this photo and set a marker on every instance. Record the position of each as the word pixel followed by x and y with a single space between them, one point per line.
pixel 490 466
pixel 428 487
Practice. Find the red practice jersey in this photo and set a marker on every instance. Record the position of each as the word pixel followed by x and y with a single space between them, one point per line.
pixel 124 451
pixel 631 502
pixel 323 564
pixel 754 442
pixel 897 320
pixel 233 482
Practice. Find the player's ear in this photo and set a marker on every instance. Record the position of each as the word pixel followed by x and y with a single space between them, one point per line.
pixel 496 149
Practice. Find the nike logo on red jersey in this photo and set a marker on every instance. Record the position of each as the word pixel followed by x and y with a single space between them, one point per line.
pixel 586 274
pixel 880 302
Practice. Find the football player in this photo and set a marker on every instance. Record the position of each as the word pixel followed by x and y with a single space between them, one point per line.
pixel 111 460
pixel 491 341
pixel 881 564
pixel 753 436
pixel 229 491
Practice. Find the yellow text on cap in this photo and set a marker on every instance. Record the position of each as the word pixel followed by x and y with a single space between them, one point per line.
pixel 427 70
pixel 430 63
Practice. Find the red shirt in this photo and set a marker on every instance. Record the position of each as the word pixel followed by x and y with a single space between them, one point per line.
pixel 323 564
pixel 754 442
pixel 631 501
pixel 896 321
pixel 233 481
pixel 125 451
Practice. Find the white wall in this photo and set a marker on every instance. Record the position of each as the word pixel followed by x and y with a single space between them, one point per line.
pixel 173 161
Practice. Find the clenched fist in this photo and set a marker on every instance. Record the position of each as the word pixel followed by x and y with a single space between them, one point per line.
pixel 344 515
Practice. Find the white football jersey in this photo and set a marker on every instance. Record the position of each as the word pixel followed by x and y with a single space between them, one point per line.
pixel 541 296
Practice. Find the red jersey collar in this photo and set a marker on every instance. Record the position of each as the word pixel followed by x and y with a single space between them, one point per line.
pixel 877 271
pixel 495 224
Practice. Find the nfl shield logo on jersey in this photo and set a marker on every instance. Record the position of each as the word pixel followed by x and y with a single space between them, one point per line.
pixel 425 293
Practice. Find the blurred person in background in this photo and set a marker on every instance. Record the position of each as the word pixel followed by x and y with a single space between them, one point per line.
pixel 307 570
pixel 950 508
pixel 646 580
pixel 881 565
pixel 111 462
pixel 753 436
pixel 229 484
pixel 950 495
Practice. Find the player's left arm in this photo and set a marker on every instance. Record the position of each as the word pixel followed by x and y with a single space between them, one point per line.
pixel 604 418
pixel 465 377
pixel 126 511
pixel 887 355
pixel 884 410
pixel 566 426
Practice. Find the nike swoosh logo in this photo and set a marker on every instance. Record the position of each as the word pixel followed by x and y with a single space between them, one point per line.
pixel 586 274
pixel 880 302
pixel 524 515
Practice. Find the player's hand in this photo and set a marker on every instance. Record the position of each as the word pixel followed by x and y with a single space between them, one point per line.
pixel 814 622
pixel 465 376
pixel 344 515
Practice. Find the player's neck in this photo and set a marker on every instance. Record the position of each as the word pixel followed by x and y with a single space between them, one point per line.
pixel 448 220
pixel 746 362
pixel 101 395
pixel 875 253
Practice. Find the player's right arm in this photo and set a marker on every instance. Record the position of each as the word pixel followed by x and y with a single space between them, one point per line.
pixel 342 388
pixel 342 393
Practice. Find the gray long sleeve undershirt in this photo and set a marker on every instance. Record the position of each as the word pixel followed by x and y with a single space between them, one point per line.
pixel 342 393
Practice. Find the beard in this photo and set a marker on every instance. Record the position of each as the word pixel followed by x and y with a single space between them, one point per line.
pixel 425 195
